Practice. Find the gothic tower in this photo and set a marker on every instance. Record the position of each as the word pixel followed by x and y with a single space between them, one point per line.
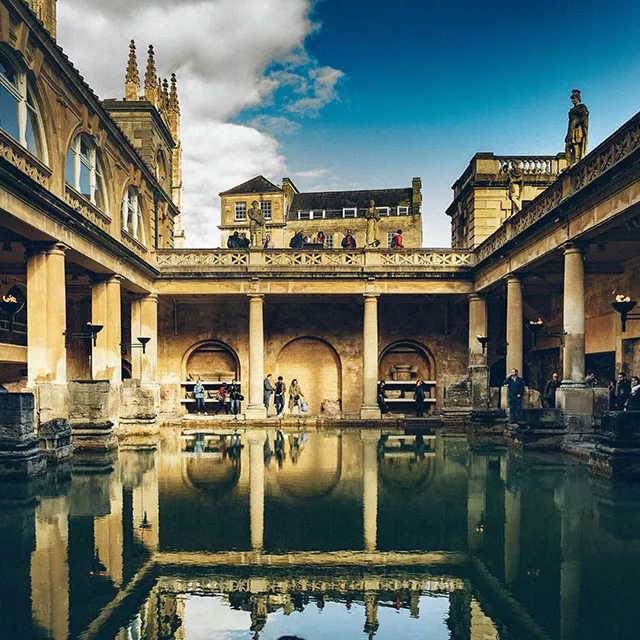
pixel 46 12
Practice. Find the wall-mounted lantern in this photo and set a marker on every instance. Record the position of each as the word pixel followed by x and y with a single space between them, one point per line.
pixel 624 305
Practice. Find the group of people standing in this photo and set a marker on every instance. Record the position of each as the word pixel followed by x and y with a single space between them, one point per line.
pixel 228 398
pixel 279 391
pixel 419 395
pixel 624 393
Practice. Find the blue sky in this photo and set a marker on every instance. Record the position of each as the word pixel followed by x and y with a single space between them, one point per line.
pixel 357 94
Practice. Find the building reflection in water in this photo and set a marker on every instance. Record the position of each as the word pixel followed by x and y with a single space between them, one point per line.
pixel 382 529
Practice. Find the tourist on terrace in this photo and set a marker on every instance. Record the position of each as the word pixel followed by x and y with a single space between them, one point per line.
pixel 297 242
pixel 622 391
pixel 633 401
pixel 515 385
pixel 396 240
pixel 278 398
pixel 295 396
pixel 233 242
pixel 221 398
pixel 549 396
pixel 234 398
pixel 382 397
pixel 320 238
pixel 267 391
pixel 419 398
pixel 268 242
pixel 591 380
pixel 198 394
pixel 349 241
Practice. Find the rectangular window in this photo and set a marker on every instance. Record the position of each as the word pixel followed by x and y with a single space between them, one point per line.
pixel 317 215
pixel 383 211
pixel 350 212
pixel 265 206
pixel 304 215
pixel 403 211
pixel 241 211
pixel 389 240
pixel 328 241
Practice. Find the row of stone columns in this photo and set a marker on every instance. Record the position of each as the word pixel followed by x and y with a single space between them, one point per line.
pixel 47 323
pixel 573 321
pixel 369 410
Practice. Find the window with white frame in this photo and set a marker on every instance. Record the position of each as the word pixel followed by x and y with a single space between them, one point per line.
pixel 310 215
pixel 241 211
pixel 328 241
pixel 84 173
pixel 132 214
pixel 19 116
pixel 265 207
pixel 403 210
pixel 390 240
pixel 383 211
pixel 304 215
pixel 350 212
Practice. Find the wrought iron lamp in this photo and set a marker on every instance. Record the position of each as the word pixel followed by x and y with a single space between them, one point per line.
pixel 91 333
pixel 536 326
pixel 483 340
pixel 141 344
pixel 624 305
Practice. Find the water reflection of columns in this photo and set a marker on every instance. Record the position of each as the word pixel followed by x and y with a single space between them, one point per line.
pixel 370 439
pixel 476 500
pixel 50 568
pixel 460 614
pixel 255 439
pixel 371 611
pixel 568 498
pixel 511 525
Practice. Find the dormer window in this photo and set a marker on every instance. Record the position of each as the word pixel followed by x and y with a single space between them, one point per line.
pixel 19 115
pixel 84 172
pixel 383 211
pixel 350 212
pixel 403 211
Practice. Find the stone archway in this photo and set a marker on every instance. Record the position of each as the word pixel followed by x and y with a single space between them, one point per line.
pixel 406 360
pixel 211 360
pixel 316 365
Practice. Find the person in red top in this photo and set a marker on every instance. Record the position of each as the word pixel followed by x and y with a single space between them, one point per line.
pixel 396 241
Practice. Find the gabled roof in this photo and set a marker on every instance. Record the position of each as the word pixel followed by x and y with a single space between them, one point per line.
pixel 259 184
pixel 331 200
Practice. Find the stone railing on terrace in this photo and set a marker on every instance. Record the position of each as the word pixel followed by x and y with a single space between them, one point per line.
pixel 531 165
pixel 325 260
pixel 603 158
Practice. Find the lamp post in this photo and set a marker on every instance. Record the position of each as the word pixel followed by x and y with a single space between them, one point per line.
pixel 535 326
pixel 91 333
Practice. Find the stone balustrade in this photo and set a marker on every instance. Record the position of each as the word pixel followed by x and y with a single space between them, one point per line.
pixel 530 165
pixel 361 260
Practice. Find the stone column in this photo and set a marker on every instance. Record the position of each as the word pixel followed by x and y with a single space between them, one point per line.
pixel 136 330
pixel 99 315
pixel 105 310
pixel 514 324
pixel 370 441
pixel 255 439
pixel 477 327
pixel 370 409
pixel 478 369
pixel 149 329
pixel 256 409
pixel 46 324
pixel 573 315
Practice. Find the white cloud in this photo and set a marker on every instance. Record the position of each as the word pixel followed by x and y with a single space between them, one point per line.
pixel 311 173
pixel 229 56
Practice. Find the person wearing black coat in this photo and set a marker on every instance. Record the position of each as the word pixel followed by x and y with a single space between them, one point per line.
pixel 623 389
pixel 633 401
pixel 515 393
pixel 297 242
pixel 549 395
pixel 418 395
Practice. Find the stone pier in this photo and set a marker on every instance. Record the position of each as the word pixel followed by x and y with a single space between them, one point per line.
pixel 89 411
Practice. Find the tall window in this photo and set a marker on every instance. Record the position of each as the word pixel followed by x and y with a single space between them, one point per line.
pixel 328 241
pixel 19 115
pixel 241 211
pixel 265 206
pixel 132 214
pixel 390 240
pixel 83 170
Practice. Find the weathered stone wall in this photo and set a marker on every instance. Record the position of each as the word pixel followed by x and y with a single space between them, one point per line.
pixel 440 326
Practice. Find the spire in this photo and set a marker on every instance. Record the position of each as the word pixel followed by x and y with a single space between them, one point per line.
pixel 174 105
pixel 132 80
pixel 150 81
pixel 165 95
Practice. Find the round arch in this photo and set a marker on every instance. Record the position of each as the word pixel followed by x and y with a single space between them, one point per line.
pixel 317 367
pixel 208 475
pixel 211 360
pixel 406 360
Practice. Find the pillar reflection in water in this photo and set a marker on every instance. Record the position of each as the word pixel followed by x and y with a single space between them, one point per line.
pixel 255 439
pixel 511 525
pixel 370 439
pixel 476 500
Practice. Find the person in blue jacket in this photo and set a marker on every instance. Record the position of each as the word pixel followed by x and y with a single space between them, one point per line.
pixel 515 392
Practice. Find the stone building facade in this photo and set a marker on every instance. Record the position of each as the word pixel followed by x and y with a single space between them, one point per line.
pixel 90 233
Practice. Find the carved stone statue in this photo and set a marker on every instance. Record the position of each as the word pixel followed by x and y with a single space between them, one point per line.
pixel 578 131
pixel 515 179
pixel 373 218
pixel 257 225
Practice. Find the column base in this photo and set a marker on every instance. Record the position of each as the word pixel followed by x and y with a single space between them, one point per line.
pixel 368 412
pixel 479 383
pixel 575 399
pixel 255 412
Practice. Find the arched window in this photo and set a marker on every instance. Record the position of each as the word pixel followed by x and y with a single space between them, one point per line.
pixel 84 173
pixel 132 214
pixel 19 116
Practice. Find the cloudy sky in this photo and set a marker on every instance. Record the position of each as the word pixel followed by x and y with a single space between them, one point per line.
pixel 357 94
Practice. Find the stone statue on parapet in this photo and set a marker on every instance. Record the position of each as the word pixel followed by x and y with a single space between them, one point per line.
pixel 515 180
pixel 578 131
pixel 257 225
pixel 373 218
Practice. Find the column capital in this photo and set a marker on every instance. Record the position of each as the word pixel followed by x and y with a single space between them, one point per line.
pixel 35 248
pixel 573 247
pixel 114 278
pixel 512 278
pixel 255 296
pixel 370 296
pixel 149 297
pixel 57 249
pixel 476 297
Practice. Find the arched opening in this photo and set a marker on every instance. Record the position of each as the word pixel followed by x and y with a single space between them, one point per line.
pixel 212 361
pixel 210 475
pixel 316 366
pixel 406 360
